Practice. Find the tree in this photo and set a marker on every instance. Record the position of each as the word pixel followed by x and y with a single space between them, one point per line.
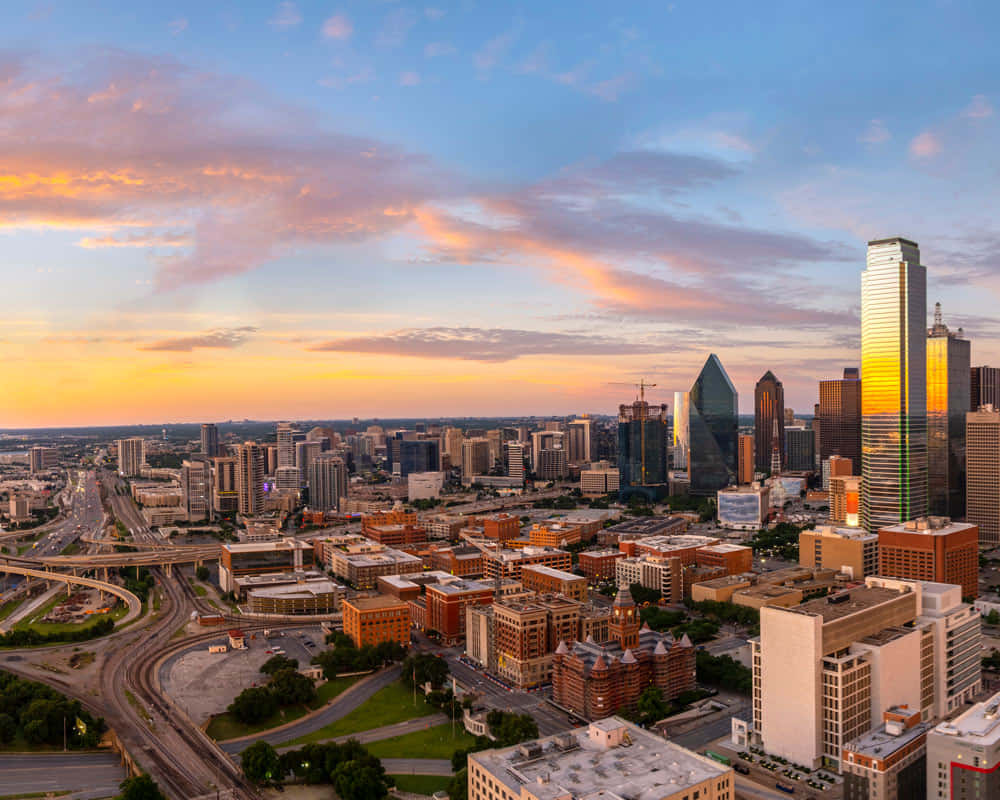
pixel 458 787
pixel 509 729
pixel 253 705
pixel 643 595
pixel 292 688
pixel 651 706
pixel 201 573
pixel 360 780
pixel 8 728
pixel 140 787
pixel 260 763
pixel 424 667
pixel 993 618
pixel 278 662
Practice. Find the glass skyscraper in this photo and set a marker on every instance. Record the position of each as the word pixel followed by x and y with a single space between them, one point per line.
pixel 769 409
pixel 682 434
pixel 642 449
pixel 840 417
pixel 713 428
pixel 948 398
pixel 894 371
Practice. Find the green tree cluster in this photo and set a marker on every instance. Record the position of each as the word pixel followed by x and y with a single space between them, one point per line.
pixel 423 668
pixel 29 637
pixel 140 787
pixel 287 687
pixel 344 657
pixel 723 671
pixel 642 594
pixel 38 714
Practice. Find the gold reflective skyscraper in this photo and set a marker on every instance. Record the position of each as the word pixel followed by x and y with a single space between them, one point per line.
pixel 894 371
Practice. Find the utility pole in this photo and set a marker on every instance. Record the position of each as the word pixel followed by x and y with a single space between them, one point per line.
pixel 64 733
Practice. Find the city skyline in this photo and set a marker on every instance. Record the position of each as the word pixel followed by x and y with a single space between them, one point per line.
pixel 671 208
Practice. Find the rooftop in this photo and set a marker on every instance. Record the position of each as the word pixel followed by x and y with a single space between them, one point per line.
pixel 859 599
pixel 880 743
pixel 452 587
pixel 610 759
pixel 854 534
pixel 259 547
pixel 980 724
pixel 375 603
pixel 931 526
pixel 724 548
pixel 309 588
pixel 551 572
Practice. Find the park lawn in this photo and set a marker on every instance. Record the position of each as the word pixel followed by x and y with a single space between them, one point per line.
pixel 225 726
pixel 434 742
pixel 387 706
pixel 419 784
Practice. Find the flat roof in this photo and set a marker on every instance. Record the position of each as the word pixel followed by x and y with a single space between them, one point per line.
pixel 375 603
pixel 643 767
pixel 558 574
pixel 877 743
pixel 255 547
pixel 840 532
pixel 304 589
pixel 724 547
pixel 981 723
pixel 860 599
pixel 459 586
pixel 929 526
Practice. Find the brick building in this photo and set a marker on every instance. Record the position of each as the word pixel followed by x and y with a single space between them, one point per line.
pixel 683 547
pixel 397 535
pixel 554 534
pixel 545 580
pixel 734 558
pixel 599 564
pixel 932 549
pixel 370 620
pixel 596 680
pixel 509 563
pixel 446 604
pixel 465 561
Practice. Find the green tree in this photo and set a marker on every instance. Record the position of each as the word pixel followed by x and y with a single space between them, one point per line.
pixel 651 706
pixel 8 728
pixel 360 780
pixel 140 787
pixel 278 662
pixel 458 786
pixel 643 595
pixel 260 763
pixel 292 688
pixel 424 667
pixel 253 705
pixel 993 618
pixel 201 573
pixel 509 729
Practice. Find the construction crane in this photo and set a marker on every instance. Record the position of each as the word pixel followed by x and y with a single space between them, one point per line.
pixel 641 386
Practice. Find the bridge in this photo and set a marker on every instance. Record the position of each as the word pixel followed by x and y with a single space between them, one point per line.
pixel 133 602
pixel 161 557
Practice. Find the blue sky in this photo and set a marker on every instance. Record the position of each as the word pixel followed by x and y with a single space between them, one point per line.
pixel 500 208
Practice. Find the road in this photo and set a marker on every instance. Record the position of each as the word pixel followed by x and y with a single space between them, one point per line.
pixel 25 773
pixel 341 706
pixel 705 734
pixel 417 766
pixel 746 789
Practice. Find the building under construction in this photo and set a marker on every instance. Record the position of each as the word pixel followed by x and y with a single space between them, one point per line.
pixel 643 438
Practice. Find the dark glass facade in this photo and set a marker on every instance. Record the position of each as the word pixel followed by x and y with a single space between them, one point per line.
pixel 769 408
pixel 642 448
pixel 421 455
pixel 948 397
pixel 985 387
pixel 800 450
pixel 714 429
pixel 840 417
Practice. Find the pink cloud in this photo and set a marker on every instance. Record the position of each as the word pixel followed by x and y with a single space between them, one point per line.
pixel 925 145
pixel 979 108
pixel 338 27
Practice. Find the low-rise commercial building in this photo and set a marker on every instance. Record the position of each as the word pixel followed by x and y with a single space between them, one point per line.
pixel 361 563
pixel 852 551
pixel 371 620
pixel 258 558
pixel 546 580
pixel 744 508
pixel 309 596
pixel 611 759
pixel 889 762
pixel 683 547
pixel 554 534
pixel 963 755
pixel 509 563
pixel 599 564
pixel 733 558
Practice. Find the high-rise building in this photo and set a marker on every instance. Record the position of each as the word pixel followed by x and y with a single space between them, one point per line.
pixel 42 458
pixel 475 457
pixel 932 549
pixel 745 469
pixel 250 478
pixel 948 400
pixel 327 482
pixel 682 430
pixel 225 496
pixel 984 387
pixel 642 447
pixel 514 460
pixel 452 446
pixel 305 452
pixel 982 483
pixel 286 444
pixel 579 449
pixel 196 486
pixel 894 401
pixel 210 440
pixel 552 465
pixel 845 500
pixel 713 427
pixel 769 408
pixel 545 440
pixel 799 449
pixel 840 416
pixel 131 456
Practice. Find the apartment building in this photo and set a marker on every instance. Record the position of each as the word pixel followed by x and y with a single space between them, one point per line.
pixel 652 572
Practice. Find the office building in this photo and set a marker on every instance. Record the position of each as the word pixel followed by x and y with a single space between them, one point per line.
pixel 286 444
pixel 250 479
pixel 294 595
pixel 948 401
pixel 681 432
pixel 834 664
pixel 642 448
pixel 551 465
pixel 327 482
pixel 451 444
pixel 744 508
pixel 578 440
pixel 239 559
pixel 305 452
pixel 131 456
pixel 424 485
pixel 509 563
pixel 554 534
pixel 963 755
pixel 419 455
pixel 713 430
pixel 888 762
pixel 475 457
pixel 546 580
pixel 41 459
pixel 596 679
pixel 982 485
pixel 894 400
pixel 210 440
pixel 845 500
pixel 359 561
pixel 599 565
pixel 800 452
pixel 447 601
pixel 287 479
pixel 745 461
pixel 610 760
pixel 932 549
pixel 599 480
pixel 514 459
pixel 769 420
pixel 659 573
pixel 840 417
pixel 852 551
pixel 548 439
pixel 372 620
pixel 984 387
pixel 836 467
pixel 196 488
pixel 225 495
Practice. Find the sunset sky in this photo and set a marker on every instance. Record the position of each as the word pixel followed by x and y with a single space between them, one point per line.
pixel 295 209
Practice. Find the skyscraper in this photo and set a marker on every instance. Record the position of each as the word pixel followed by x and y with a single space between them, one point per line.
pixel 250 478
pixel 682 430
pixel 769 406
pixel 451 445
pixel 579 449
pixel 982 485
pixel 948 400
pixel 327 482
pixel 642 448
pixel 799 449
pixel 210 440
pixel 196 485
pixel 894 401
pixel 746 460
pixel 475 457
pixel 420 455
pixel 985 387
pixel 305 452
pixel 131 456
pixel 286 444
pixel 840 417
pixel 713 427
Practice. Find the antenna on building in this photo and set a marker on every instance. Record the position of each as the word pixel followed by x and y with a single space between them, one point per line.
pixel 937 315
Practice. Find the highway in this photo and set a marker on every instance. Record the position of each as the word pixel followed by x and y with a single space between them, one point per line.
pixel 27 773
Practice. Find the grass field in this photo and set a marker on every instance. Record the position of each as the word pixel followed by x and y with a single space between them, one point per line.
pixel 225 726
pixel 418 784
pixel 387 706
pixel 33 622
pixel 433 742
pixel 10 607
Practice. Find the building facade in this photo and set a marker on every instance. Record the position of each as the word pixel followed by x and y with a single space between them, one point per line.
pixel 800 449
pixel 982 483
pixel 642 448
pixel 745 459
pixel 249 468
pixel 963 755
pixel 840 416
pixel 210 440
pixel 131 456
pixel 984 387
pixel 894 401
pixel 327 482
pixel 769 420
pixel 713 430
pixel 372 620
pixel 932 549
